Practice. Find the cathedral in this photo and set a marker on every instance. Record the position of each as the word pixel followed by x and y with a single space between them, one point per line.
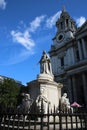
pixel 69 58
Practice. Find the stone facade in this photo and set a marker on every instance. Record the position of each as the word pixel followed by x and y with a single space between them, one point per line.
pixel 69 58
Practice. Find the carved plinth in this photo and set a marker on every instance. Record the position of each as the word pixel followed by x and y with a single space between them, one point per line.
pixel 44 76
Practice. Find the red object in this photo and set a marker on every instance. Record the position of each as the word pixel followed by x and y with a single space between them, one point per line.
pixel 75 104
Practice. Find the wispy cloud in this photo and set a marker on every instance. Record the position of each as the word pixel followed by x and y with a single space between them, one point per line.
pixel 2 4
pixel 23 35
pixel 17 58
pixel 24 38
pixel 50 22
pixel 36 23
pixel 14 56
pixel 80 21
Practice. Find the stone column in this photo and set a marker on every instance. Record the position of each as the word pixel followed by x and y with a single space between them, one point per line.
pixel 73 57
pixel 84 48
pixel 84 88
pixel 80 51
pixel 74 88
pixel 70 89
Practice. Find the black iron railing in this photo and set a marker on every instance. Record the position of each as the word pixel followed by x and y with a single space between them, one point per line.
pixel 40 121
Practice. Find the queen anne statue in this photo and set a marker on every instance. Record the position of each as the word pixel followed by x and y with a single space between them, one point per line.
pixel 45 64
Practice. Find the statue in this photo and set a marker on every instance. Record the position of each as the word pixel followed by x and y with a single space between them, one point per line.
pixel 65 104
pixel 42 102
pixel 45 64
pixel 26 104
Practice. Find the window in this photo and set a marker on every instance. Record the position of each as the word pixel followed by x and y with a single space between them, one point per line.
pixel 61 25
pixel 67 22
pixel 71 25
pixel 85 40
pixel 77 53
pixel 62 61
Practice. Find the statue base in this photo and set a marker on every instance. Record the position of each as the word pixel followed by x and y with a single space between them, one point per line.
pixel 44 76
pixel 50 88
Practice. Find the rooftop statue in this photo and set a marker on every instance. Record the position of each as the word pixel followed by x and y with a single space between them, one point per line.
pixel 45 64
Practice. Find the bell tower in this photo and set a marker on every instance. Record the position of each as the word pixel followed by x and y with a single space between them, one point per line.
pixel 65 22
pixel 60 55
pixel 66 28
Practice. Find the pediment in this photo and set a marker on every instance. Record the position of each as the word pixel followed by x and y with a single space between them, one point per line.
pixel 82 28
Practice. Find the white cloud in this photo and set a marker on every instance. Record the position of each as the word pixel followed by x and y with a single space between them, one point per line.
pixel 36 23
pixel 23 38
pixel 52 20
pixel 2 4
pixel 80 21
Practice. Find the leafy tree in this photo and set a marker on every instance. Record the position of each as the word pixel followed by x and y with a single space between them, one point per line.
pixel 9 91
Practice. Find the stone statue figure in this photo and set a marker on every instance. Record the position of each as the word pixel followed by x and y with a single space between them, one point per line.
pixel 65 104
pixel 42 101
pixel 26 104
pixel 45 64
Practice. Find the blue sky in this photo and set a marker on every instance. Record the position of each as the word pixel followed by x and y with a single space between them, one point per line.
pixel 27 28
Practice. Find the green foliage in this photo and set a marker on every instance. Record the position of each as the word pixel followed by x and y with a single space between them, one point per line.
pixel 9 91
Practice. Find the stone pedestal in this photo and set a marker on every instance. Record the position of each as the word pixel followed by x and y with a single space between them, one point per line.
pixel 52 90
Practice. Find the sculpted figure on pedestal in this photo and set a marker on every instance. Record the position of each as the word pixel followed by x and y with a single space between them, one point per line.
pixel 45 64
pixel 42 102
pixel 26 104
pixel 65 104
